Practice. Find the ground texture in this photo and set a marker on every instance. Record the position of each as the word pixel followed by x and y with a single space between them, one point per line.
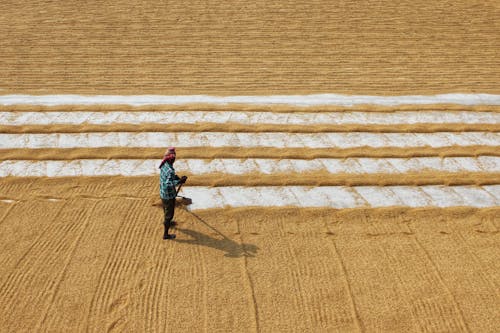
pixel 264 47
pixel 88 256
pixel 85 254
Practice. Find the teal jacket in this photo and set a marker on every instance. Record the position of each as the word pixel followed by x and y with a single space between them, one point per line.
pixel 168 181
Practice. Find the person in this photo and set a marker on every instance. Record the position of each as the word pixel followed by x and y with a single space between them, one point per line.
pixel 168 181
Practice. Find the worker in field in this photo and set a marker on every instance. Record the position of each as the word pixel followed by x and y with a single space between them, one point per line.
pixel 168 182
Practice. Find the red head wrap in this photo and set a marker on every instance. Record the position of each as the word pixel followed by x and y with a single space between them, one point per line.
pixel 169 156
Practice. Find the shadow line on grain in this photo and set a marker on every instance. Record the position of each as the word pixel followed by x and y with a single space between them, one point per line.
pixel 233 249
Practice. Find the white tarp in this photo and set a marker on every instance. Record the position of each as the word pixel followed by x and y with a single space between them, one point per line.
pixel 248 118
pixel 299 100
pixel 225 139
pixel 342 196
pixel 134 167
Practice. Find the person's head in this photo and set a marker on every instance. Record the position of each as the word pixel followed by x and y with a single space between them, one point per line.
pixel 169 155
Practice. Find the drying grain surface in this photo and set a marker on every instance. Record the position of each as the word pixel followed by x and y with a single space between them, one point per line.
pixel 88 256
pixel 85 254
pixel 263 47
pixel 208 152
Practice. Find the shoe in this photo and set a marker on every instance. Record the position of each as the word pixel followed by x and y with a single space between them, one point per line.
pixel 171 236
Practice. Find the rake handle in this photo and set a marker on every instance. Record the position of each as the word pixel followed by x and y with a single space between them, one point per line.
pixel 179 188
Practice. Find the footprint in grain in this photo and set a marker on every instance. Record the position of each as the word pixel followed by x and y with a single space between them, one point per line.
pixel 118 304
pixel 118 314
pixel 117 325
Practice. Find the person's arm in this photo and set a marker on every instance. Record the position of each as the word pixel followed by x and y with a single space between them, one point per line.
pixel 176 180
pixel 180 180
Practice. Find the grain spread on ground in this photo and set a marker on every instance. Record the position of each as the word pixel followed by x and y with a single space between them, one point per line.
pixel 85 254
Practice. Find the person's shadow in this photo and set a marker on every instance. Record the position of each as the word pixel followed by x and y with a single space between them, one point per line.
pixel 232 248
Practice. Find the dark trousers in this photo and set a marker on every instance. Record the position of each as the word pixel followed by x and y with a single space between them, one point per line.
pixel 168 210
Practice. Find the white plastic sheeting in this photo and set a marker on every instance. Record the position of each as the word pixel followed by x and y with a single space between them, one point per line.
pixel 299 100
pixel 237 196
pixel 343 196
pixel 134 167
pixel 249 118
pixel 224 139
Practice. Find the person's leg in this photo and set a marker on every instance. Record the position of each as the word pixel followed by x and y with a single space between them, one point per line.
pixel 168 209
